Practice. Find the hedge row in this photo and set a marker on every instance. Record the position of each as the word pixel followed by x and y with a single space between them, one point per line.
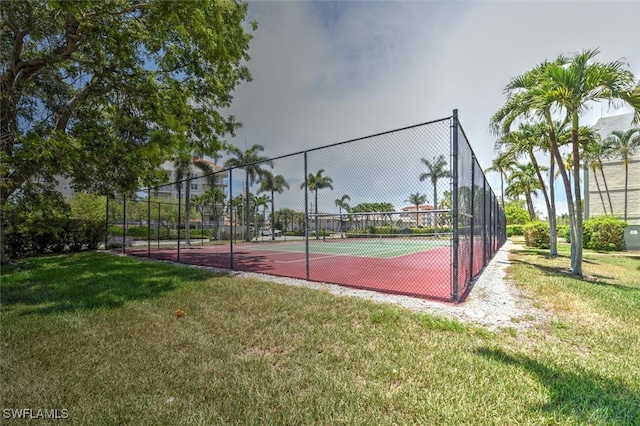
pixel 599 233
pixel 52 235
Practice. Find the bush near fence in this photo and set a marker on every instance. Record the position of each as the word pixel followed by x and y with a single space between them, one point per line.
pixel 536 234
pixel 604 233
pixel 515 230
pixel 52 236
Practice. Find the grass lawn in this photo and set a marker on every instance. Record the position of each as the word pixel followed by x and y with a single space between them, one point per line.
pixel 98 335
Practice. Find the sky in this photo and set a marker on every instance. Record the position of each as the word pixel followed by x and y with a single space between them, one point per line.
pixel 325 72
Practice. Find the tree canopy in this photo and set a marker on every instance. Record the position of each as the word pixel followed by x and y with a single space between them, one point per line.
pixel 103 91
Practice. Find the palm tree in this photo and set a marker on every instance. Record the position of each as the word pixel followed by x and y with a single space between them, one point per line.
pixel 524 142
pixel 623 145
pixel 271 183
pixel 417 200
pixel 252 162
pixel 184 164
pixel 341 203
pixel 437 169
pixel 568 85
pixel 216 197
pixel 315 183
pixel 257 202
pixel 523 181
pixel 502 164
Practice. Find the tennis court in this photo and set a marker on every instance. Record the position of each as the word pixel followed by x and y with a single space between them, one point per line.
pixel 401 265
pixel 407 211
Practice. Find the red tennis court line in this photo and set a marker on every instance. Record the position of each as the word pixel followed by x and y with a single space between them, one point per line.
pixel 424 274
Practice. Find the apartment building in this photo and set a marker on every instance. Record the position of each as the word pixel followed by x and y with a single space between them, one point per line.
pixel 198 185
pixel 613 170
pixel 409 217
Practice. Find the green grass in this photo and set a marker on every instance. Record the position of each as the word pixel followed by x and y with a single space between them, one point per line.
pixel 97 334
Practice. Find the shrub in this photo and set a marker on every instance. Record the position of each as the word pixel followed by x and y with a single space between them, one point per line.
pixel 604 233
pixel 536 234
pixel 564 231
pixel 514 230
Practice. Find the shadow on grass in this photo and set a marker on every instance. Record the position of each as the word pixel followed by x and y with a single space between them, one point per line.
pixel 564 272
pixel 64 283
pixel 584 397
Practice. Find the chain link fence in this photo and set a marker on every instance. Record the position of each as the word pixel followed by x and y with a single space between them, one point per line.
pixel 407 211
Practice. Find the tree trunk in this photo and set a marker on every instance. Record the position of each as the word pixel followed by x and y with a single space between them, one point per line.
pixel 552 232
pixel 553 229
pixel 247 209
pixel 532 213
pixel 273 219
pixel 435 207
pixel 626 183
pixel 595 178
pixel 576 261
pixel 606 188
pixel 567 185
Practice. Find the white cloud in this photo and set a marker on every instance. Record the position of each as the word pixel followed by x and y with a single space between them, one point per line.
pixel 327 72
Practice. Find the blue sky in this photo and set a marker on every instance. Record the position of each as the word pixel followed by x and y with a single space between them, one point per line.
pixel 331 71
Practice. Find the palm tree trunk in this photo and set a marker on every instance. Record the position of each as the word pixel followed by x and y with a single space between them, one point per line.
pixel 576 261
pixel 552 232
pixel 606 188
pixel 247 209
pixel 626 183
pixel 595 178
pixel 435 207
pixel 567 187
pixel 273 219
pixel 532 213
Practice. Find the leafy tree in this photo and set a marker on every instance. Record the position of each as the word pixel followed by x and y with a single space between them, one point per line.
pixel 214 196
pixel 515 213
pixel 285 216
pixel 417 199
pixel 252 162
pixel 623 145
pixel 271 183
pixel 436 170
pixel 88 206
pixel 103 91
pixel 315 183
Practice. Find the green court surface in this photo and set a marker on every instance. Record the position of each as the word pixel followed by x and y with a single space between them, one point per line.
pixel 384 248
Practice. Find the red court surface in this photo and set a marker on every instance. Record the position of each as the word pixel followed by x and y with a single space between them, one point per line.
pixel 426 274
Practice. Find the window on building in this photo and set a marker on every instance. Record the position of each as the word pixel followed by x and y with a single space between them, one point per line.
pixel 194 186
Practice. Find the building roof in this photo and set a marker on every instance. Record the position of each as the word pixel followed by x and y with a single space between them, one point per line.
pixel 421 207
pixel 606 125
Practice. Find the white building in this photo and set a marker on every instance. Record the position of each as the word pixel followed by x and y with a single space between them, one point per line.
pixel 614 174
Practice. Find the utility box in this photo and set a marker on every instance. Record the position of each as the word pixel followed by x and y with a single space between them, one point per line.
pixel 632 237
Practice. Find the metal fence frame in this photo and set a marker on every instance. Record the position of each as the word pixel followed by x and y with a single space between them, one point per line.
pixel 478 221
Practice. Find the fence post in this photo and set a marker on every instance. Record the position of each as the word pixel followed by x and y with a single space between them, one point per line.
pixel 306 217
pixel 473 215
pixel 484 222
pixel 232 228
pixel 179 218
pixel 148 222
pixel 454 196
pixel 124 223
pixel 158 225
pixel 106 226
